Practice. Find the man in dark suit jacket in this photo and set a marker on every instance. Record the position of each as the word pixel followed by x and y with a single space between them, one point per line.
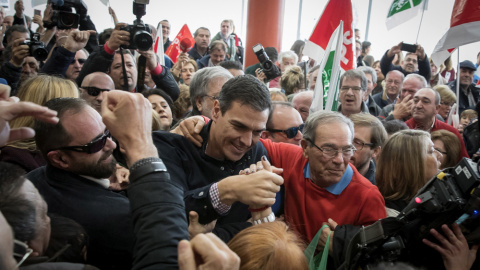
pixel 78 151
pixel 469 95
pixel 393 87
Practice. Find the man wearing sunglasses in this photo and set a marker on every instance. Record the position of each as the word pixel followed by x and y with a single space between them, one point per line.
pixel 78 151
pixel 94 87
pixel 76 65
pixel 284 124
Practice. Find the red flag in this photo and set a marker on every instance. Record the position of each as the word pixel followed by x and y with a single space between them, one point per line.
pixel 464 29
pixel 334 12
pixel 174 49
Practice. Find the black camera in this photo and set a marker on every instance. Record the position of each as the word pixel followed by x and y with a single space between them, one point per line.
pixel 452 196
pixel 140 34
pixel 63 17
pixel 270 70
pixel 36 48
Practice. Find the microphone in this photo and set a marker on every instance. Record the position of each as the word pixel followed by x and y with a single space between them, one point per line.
pixel 186 45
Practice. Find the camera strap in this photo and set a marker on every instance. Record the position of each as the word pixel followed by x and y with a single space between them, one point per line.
pixel 142 65
pixel 125 78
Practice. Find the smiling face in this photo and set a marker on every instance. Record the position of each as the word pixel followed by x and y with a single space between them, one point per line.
pixel 466 76
pixel 236 131
pixel 116 71
pixel 394 83
pixel 160 105
pixel 326 171
pixel 410 64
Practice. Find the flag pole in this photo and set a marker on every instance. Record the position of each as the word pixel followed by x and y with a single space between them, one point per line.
pixel 421 19
pixel 368 18
pixel 300 6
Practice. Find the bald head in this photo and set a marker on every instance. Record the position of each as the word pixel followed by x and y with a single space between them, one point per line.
pixel 93 89
pixel 425 105
pixel 302 102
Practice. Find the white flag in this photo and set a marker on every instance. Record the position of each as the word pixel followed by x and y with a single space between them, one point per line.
pixel 403 10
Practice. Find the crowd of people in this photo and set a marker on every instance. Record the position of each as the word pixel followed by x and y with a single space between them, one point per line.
pixel 111 160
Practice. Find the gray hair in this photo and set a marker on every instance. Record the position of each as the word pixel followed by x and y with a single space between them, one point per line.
pixel 369 70
pixel 200 28
pixel 418 77
pixel 355 74
pixel 321 118
pixel 289 55
pixel 202 79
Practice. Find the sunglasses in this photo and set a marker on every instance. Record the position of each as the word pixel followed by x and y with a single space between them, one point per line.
pixel 81 61
pixel 94 91
pixel 91 147
pixel 291 132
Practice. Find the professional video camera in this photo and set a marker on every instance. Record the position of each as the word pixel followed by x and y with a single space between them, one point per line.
pixel 63 17
pixel 36 48
pixel 452 196
pixel 270 70
pixel 140 34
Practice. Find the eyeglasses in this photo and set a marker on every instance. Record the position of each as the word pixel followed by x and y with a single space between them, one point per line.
pixel 89 148
pixel 354 88
pixel 441 152
pixel 332 152
pixel 212 97
pixel 81 61
pixel 290 132
pixel 359 144
pixel 94 91
pixel 446 103
pixel 21 250
pixel 394 82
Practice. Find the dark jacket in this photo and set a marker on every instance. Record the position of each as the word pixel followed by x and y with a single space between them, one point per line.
pixel 378 98
pixel 373 108
pixel 423 67
pixel 203 62
pixel 158 212
pixel 28 160
pixel 100 61
pixel 58 62
pixel 11 74
pixel 463 99
pixel 104 214
pixel 194 54
pixel 196 172
pixel 471 137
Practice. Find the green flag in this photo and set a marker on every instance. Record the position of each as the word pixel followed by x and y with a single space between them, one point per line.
pixel 325 95
pixel 404 10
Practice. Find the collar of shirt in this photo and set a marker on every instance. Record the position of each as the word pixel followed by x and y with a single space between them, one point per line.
pixel 335 189
pixel 102 182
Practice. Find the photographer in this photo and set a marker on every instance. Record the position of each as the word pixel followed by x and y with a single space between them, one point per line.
pixel 416 61
pixel 107 59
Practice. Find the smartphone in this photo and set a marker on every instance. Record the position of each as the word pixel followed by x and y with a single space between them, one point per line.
pixel 37 12
pixel 409 47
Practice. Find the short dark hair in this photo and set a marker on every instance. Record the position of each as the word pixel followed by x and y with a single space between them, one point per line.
pixel 159 92
pixel 104 36
pixel 247 90
pixel 272 53
pixel 200 28
pixel 366 45
pixel 49 136
pixel 15 28
pixel 394 126
pixel 231 65
pixel 19 212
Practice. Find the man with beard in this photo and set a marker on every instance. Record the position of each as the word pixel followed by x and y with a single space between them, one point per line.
pixel 78 151
pixel 414 62
pixel 370 135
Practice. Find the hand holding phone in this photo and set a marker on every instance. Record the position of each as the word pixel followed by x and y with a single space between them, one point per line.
pixel 409 47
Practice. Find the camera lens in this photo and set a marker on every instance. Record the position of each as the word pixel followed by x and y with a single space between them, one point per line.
pixel 39 52
pixel 143 40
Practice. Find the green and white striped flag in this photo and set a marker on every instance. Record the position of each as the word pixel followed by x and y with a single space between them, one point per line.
pixel 325 96
pixel 404 10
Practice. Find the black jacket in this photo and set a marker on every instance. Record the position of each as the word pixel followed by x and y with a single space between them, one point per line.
pixel 463 103
pixel 423 67
pixel 104 214
pixel 58 62
pixel 159 220
pixel 196 172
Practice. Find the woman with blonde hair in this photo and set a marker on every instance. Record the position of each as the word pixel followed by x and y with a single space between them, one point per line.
pixel 269 246
pixel 38 90
pixel 447 99
pixel 293 80
pixel 448 145
pixel 408 160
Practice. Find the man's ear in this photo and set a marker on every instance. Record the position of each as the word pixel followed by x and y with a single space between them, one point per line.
pixel 305 148
pixel 58 159
pixel 376 152
pixel 437 108
pixel 265 134
pixel 198 103
pixel 216 110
